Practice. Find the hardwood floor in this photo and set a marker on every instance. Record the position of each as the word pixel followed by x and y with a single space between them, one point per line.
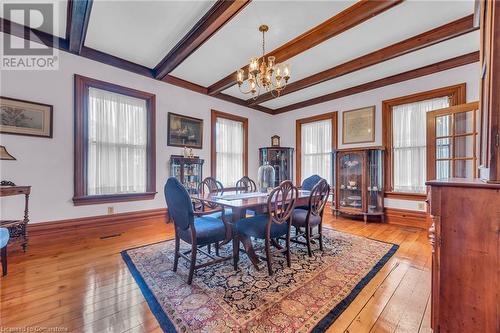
pixel 78 282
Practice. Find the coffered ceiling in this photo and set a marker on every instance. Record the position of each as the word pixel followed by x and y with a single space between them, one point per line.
pixel 332 46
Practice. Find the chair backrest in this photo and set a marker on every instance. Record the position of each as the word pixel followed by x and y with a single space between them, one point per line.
pixel 210 185
pixel 309 182
pixel 180 208
pixel 245 184
pixel 281 202
pixel 319 197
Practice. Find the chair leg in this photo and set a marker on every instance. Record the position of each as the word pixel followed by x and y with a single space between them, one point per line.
pixel 236 252
pixel 176 255
pixel 320 231
pixel 308 241
pixel 4 260
pixel 217 249
pixel 268 257
pixel 194 250
pixel 288 258
pixel 209 248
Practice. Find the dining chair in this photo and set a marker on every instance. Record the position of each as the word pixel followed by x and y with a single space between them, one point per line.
pixel 275 224
pixel 308 184
pixel 4 240
pixel 245 184
pixel 194 228
pixel 311 217
pixel 210 185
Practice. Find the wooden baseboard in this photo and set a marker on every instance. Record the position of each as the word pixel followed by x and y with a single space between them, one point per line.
pixel 95 221
pixel 409 218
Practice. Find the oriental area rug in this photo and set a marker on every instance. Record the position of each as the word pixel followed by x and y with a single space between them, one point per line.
pixel 307 297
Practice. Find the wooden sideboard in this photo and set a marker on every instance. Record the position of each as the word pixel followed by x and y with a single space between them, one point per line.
pixel 465 260
pixel 18 229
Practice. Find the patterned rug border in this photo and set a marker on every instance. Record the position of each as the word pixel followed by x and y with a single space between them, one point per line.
pixel 167 325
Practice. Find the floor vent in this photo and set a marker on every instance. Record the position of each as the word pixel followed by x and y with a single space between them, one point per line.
pixel 110 236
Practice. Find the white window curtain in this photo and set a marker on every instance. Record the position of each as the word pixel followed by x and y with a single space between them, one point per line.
pixel 316 149
pixel 409 143
pixel 117 143
pixel 229 151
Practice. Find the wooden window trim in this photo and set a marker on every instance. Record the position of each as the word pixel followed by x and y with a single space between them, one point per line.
pixel 81 89
pixel 298 138
pixel 457 94
pixel 213 153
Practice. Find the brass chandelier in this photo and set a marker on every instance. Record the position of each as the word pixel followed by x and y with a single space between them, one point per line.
pixel 268 76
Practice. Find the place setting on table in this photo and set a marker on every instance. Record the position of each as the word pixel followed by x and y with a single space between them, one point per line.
pixel 204 280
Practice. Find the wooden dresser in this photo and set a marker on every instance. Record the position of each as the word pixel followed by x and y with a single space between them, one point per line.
pixel 465 261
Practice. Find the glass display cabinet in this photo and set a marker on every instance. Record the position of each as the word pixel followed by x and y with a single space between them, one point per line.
pixel 359 182
pixel 188 171
pixel 281 159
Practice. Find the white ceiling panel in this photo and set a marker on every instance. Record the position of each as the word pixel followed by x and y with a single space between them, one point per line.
pixel 142 31
pixel 59 12
pixel 430 55
pixel 406 20
pixel 239 40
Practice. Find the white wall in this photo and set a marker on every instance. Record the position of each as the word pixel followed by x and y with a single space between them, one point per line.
pixel 284 124
pixel 47 164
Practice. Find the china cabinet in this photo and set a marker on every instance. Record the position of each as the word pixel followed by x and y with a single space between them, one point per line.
pixel 359 182
pixel 188 171
pixel 281 159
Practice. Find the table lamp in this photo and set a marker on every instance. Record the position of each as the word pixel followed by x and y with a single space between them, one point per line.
pixel 4 155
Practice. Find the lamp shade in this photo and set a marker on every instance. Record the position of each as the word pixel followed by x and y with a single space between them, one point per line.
pixel 4 154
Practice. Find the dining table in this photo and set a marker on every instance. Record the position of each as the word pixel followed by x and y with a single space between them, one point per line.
pixel 240 203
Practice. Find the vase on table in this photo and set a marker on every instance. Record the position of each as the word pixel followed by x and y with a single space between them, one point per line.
pixel 265 177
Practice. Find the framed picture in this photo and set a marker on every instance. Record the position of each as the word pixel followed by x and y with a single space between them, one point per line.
pixel 184 131
pixel 25 118
pixel 358 126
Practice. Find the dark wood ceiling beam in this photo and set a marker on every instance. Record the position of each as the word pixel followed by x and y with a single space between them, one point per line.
pixel 409 75
pixel 78 23
pixel 21 31
pixel 423 40
pixel 345 20
pixel 218 15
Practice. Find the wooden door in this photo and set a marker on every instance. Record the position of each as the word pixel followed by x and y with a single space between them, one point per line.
pixel 452 142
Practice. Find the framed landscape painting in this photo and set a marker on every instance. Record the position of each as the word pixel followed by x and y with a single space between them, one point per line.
pixel 358 126
pixel 184 131
pixel 25 118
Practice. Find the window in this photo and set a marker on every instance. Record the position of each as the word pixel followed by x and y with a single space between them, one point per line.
pixel 405 121
pixel 229 147
pixel 315 141
pixel 114 143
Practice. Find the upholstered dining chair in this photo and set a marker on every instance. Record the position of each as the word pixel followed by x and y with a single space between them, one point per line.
pixel 245 184
pixel 210 185
pixel 311 217
pixel 308 184
pixel 192 227
pixel 4 240
pixel 270 227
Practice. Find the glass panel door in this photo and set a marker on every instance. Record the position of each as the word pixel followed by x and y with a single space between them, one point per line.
pixel 350 179
pixel 453 142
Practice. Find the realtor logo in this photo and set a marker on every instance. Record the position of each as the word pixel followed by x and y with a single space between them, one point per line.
pixel 29 50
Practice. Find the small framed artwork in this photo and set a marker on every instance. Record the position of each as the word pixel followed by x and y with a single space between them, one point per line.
pixel 358 126
pixel 275 141
pixel 25 118
pixel 184 131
